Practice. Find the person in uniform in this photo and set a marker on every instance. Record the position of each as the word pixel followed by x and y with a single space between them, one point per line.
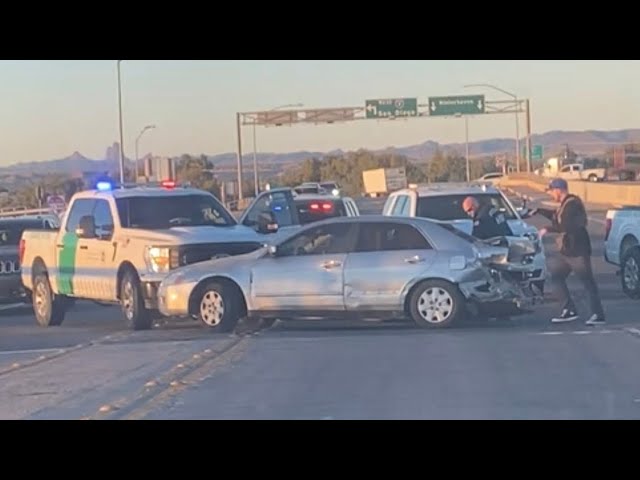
pixel 488 222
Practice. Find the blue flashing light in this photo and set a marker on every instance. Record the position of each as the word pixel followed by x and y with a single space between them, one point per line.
pixel 277 208
pixel 104 186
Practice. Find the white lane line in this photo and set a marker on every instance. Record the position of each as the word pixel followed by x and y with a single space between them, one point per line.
pixel 39 350
pixel 550 333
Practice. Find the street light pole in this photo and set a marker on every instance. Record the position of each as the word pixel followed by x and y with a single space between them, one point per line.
pixel 122 179
pixel 517 103
pixel 256 182
pixel 466 138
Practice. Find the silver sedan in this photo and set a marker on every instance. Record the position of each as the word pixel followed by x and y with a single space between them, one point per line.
pixel 366 267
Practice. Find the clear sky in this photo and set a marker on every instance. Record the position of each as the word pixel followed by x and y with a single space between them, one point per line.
pixel 49 109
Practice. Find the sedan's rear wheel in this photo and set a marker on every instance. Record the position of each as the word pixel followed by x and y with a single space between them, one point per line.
pixel 436 304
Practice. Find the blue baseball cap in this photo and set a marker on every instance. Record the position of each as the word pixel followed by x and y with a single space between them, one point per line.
pixel 559 183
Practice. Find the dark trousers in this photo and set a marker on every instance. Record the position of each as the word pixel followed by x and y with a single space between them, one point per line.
pixel 560 267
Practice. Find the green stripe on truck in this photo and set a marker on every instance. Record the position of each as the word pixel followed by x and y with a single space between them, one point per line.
pixel 67 263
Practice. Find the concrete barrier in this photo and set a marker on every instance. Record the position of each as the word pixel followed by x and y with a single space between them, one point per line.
pixel 606 193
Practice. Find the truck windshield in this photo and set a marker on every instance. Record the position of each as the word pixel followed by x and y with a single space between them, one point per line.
pixel 449 207
pixel 159 213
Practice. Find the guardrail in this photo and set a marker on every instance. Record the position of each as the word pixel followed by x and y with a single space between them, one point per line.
pixel 607 193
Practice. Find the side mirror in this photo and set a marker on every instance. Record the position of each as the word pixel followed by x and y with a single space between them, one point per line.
pixel 86 227
pixel 267 223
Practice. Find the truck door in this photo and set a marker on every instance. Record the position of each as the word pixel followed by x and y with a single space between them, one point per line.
pixel 69 270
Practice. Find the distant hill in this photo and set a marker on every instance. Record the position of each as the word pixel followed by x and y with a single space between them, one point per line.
pixel 586 142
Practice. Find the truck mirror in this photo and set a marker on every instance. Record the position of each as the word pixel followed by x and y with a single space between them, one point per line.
pixel 86 227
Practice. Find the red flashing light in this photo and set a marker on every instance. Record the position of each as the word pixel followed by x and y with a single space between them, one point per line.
pixel 168 184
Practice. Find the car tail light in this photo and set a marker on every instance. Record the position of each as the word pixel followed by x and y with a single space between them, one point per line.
pixel 21 250
pixel 607 228
pixel 321 207
pixel 168 184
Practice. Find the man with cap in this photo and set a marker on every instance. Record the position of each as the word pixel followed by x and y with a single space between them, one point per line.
pixel 570 222
pixel 487 221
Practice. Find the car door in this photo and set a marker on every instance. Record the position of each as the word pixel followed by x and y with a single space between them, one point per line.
pixel 98 275
pixel 279 205
pixel 388 256
pixel 70 268
pixel 306 273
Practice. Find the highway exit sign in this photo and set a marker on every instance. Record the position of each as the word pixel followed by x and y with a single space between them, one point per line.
pixel 391 108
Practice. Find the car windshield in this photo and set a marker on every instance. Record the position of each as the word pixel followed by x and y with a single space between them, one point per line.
pixel 157 213
pixel 11 231
pixel 449 207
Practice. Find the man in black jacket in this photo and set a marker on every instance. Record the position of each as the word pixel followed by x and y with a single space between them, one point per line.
pixel 487 221
pixel 570 222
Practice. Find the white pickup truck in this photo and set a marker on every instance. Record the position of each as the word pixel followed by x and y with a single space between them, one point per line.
pixel 115 245
pixel 576 171
pixel 622 246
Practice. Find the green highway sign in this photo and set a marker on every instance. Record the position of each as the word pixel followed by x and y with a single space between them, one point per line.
pixel 392 107
pixel 537 152
pixel 460 105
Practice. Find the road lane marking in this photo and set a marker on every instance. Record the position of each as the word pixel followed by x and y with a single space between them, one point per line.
pixel 38 350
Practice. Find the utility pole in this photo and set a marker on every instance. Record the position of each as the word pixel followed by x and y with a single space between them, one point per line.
pixel 528 119
pixel 122 179
pixel 466 136
pixel 239 129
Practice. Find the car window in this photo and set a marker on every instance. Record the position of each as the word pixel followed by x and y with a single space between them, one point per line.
pixel 276 204
pixel 103 220
pixel 400 204
pixel 384 236
pixel 81 207
pixel 159 213
pixel 449 207
pixel 315 210
pixel 389 205
pixel 321 240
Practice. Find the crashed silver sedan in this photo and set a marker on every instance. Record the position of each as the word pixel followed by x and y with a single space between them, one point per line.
pixel 367 267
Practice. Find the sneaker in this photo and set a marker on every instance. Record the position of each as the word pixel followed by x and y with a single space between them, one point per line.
pixel 596 320
pixel 565 316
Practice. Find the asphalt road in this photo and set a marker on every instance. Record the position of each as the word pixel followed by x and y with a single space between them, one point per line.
pixel 91 367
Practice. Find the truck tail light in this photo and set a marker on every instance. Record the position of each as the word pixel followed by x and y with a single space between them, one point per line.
pixel 21 250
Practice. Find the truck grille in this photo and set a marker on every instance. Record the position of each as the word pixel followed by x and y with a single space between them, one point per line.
pixel 188 254
pixel 9 266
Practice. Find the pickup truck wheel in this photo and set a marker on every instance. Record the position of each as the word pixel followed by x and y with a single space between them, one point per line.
pixel 132 303
pixel 436 304
pixel 218 307
pixel 630 273
pixel 49 309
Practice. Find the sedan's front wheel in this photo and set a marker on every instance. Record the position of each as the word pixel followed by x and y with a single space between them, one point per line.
pixel 219 307
pixel 436 304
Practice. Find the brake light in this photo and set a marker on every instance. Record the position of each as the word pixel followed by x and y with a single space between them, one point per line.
pixel 325 207
pixel 607 228
pixel 21 250
pixel 168 184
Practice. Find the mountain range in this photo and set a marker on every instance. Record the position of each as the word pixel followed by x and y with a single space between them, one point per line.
pixel 590 142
